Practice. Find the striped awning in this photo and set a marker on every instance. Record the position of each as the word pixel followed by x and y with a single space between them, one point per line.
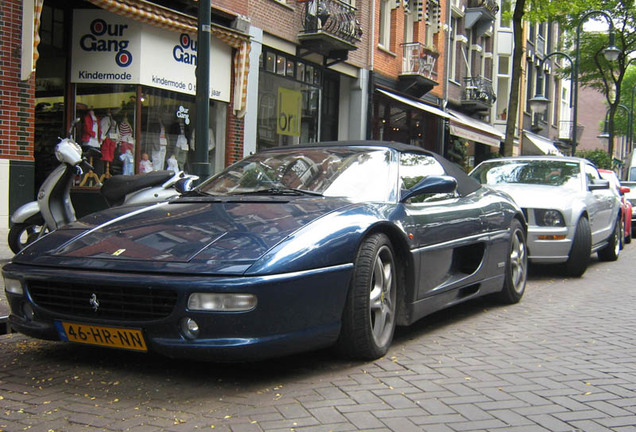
pixel 168 19
pixel 31 15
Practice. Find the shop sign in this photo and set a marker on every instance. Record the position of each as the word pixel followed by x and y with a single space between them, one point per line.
pixel 288 112
pixel 110 49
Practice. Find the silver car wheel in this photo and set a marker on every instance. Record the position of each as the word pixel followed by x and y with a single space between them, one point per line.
pixel 370 313
pixel 382 297
pixel 518 262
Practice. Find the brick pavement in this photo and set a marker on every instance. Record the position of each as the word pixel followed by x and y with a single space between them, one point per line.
pixel 561 360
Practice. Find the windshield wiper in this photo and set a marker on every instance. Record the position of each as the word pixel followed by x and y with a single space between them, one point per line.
pixel 280 190
pixel 195 192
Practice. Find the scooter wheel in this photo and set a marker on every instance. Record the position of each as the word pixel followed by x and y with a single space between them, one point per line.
pixel 22 234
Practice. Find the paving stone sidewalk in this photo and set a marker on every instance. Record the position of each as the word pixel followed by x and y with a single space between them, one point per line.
pixel 561 360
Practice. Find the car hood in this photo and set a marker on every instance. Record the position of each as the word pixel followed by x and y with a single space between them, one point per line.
pixel 214 236
pixel 539 196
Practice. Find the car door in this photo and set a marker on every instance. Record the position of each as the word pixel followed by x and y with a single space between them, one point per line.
pixel 601 205
pixel 439 226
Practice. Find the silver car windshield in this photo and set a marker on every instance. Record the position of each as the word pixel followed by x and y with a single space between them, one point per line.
pixel 361 174
pixel 538 172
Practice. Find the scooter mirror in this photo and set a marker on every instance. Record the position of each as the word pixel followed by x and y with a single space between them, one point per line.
pixel 72 126
pixel 184 185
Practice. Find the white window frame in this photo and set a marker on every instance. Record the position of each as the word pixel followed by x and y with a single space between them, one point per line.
pixel 384 33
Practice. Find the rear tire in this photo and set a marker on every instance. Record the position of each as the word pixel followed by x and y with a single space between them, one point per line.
pixel 369 317
pixel 581 249
pixel 516 266
pixel 613 248
pixel 628 237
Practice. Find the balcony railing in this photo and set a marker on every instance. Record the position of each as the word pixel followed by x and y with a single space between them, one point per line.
pixel 566 130
pixel 480 14
pixel 333 17
pixel 478 91
pixel 418 60
pixel 490 5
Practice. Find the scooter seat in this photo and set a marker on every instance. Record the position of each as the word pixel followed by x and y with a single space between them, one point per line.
pixel 117 187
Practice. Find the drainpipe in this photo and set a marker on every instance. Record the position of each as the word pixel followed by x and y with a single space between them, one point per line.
pixel 371 80
pixel 201 166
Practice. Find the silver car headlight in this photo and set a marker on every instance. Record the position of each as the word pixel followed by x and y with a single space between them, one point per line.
pixel 551 218
pixel 13 286
pixel 221 302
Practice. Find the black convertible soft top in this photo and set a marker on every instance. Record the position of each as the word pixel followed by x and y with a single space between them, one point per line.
pixel 465 184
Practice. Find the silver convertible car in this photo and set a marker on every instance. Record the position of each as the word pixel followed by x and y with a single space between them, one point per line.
pixel 570 209
pixel 288 250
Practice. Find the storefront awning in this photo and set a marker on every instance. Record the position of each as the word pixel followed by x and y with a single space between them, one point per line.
pixel 31 14
pixel 472 129
pixel 415 103
pixel 169 19
pixel 534 144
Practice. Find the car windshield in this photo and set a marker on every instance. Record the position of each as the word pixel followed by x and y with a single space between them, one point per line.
pixel 539 172
pixel 358 173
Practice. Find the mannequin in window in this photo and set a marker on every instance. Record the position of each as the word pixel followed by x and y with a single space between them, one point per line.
pixel 211 147
pixel 159 144
pixel 145 165
pixel 90 131
pixel 173 165
pixel 128 162
pixel 90 138
pixel 181 144
pixel 109 136
pixel 126 140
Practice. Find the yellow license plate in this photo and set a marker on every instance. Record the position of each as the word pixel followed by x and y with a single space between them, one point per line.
pixel 115 337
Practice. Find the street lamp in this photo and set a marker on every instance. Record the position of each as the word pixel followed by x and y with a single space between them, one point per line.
pixel 606 135
pixel 611 54
pixel 539 103
pixel 630 127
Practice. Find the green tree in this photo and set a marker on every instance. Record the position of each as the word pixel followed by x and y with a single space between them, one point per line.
pixel 628 90
pixel 600 158
pixel 594 70
pixel 515 80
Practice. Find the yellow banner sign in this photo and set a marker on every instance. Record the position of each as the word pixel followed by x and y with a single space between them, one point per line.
pixel 288 114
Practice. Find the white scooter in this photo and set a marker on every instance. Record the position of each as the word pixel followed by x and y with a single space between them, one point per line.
pixel 54 208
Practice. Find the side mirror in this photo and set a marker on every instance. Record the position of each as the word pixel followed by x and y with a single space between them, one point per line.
pixel 599 184
pixel 430 185
pixel 624 190
pixel 185 184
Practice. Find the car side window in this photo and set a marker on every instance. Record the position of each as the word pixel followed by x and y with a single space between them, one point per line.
pixel 415 167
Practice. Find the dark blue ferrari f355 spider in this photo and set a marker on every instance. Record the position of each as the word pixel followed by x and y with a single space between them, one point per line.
pixel 288 250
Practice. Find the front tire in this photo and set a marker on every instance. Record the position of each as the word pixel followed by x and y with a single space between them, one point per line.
pixel 613 248
pixel 369 317
pixel 581 249
pixel 516 266
pixel 23 234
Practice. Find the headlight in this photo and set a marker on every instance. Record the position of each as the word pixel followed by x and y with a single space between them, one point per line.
pixel 13 286
pixel 552 218
pixel 221 302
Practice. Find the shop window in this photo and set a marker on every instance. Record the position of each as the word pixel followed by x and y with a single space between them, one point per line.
pixel 289 99
pixel 280 65
pixel 290 68
pixel 270 62
pixel 52 27
pixel 136 135
pixel 49 91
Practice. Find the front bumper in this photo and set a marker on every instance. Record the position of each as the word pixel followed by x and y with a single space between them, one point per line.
pixel 546 245
pixel 295 312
